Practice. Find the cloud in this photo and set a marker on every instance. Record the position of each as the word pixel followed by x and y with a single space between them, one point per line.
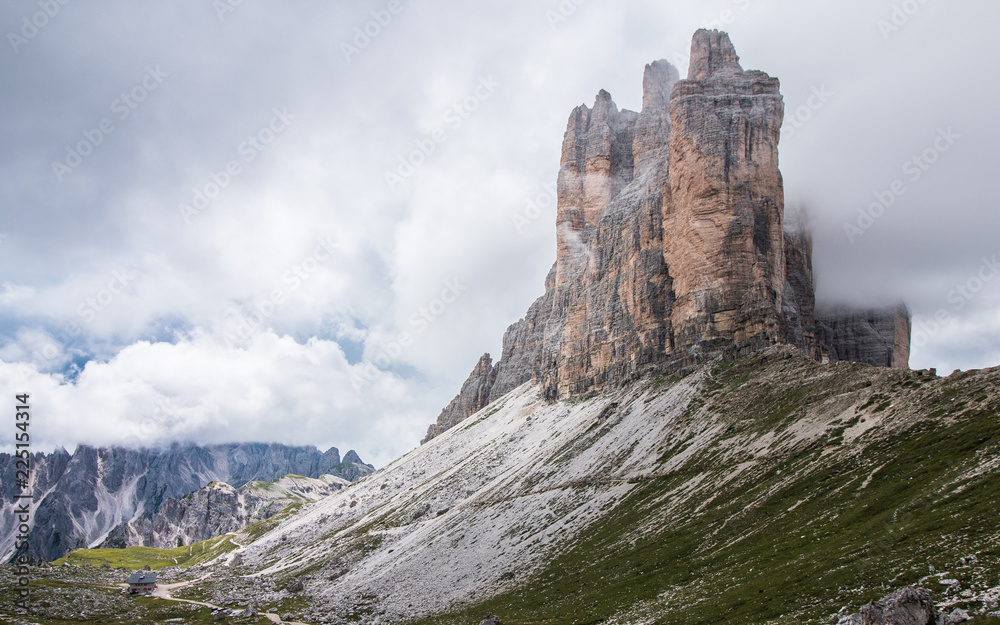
pixel 203 391
pixel 260 122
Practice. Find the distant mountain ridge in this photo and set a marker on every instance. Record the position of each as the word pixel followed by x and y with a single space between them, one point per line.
pixel 80 498
pixel 219 508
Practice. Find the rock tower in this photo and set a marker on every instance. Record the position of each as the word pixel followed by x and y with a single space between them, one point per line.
pixel 672 245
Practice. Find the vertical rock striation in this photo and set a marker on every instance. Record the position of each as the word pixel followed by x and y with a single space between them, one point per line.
pixel 79 498
pixel 671 243
pixel 798 300
pixel 876 336
pixel 219 508
pixel 723 219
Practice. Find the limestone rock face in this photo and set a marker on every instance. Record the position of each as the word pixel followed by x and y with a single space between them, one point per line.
pixel 474 395
pixel 671 243
pixel 611 285
pixel 605 312
pixel 798 300
pixel 652 128
pixel 723 218
pixel 877 336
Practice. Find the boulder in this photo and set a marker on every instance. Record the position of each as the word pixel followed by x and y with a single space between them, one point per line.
pixel 909 606
pixel 958 615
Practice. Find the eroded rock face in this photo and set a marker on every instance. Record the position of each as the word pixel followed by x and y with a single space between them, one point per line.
pixel 474 395
pixel 877 336
pixel 798 301
pixel 81 498
pixel 671 242
pixel 605 312
pixel 219 508
pixel 723 218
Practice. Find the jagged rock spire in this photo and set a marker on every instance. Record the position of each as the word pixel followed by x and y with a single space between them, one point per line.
pixel 670 242
pixel 652 130
pixel 712 54
pixel 724 241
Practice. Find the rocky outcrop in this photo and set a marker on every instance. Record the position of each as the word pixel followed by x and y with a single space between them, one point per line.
pixel 798 300
pixel 663 484
pixel 80 498
pixel 219 508
pixel 352 468
pixel 908 606
pixel 877 336
pixel 605 312
pixel 671 242
pixel 475 394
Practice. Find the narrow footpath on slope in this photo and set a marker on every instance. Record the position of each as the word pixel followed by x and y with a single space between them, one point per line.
pixel 163 592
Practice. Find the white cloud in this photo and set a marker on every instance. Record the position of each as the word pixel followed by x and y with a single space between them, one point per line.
pixel 200 390
pixel 37 348
pixel 323 177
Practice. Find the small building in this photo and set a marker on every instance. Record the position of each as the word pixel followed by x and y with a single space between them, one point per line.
pixel 144 581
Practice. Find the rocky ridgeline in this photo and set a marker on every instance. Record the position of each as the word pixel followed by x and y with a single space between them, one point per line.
pixel 82 497
pixel 672 245
pixel 219 508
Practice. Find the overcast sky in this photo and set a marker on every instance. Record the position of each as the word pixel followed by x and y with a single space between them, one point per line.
pixel 214 225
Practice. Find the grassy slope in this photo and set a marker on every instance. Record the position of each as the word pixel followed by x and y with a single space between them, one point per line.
pixel 187 556
pixel 103 603
pixel 796 537
pixel 789 536
pixel 137 557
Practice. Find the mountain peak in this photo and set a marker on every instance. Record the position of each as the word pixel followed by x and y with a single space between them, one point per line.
pixel 712 54
pixel 658 80
pixel 671 247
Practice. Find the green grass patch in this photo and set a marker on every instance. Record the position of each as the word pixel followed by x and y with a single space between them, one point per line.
pixel 138 557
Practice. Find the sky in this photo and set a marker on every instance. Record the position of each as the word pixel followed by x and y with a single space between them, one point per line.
pixel 304 222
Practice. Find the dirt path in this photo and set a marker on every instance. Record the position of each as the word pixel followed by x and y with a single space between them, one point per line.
pixel 239 548
pixel 163 592
pixel 274 618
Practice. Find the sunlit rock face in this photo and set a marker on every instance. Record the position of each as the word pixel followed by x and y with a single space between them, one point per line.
pixel 723 235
